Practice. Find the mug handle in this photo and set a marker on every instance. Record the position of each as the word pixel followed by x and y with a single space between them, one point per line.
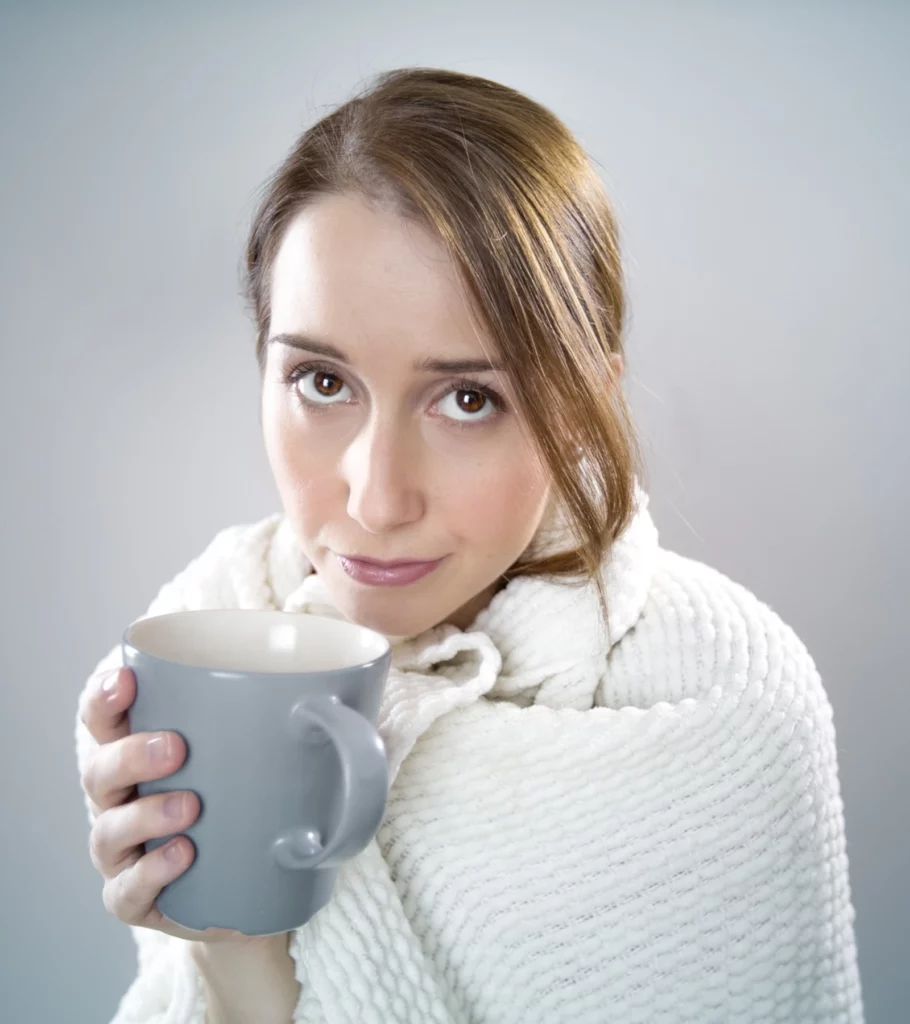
pixel 365 772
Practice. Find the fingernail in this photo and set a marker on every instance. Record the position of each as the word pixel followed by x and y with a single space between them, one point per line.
pixel 173 851
pixel 158 748
pixel 109 684
pixel 173 805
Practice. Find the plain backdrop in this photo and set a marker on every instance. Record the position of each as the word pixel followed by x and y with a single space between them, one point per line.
pixel 758 156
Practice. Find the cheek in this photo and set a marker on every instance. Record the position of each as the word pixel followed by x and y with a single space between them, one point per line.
pixel 297 467
pixel 503 507
pixel 276 437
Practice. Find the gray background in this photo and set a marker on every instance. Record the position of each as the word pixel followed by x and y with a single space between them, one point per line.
pixel 759 157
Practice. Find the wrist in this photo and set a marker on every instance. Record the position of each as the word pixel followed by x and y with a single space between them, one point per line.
pixel 247 982
pixel 259 949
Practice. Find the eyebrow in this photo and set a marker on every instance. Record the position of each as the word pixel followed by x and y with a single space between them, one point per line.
pixel 308 344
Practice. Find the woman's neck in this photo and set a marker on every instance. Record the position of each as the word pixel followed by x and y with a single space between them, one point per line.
pixel 463 617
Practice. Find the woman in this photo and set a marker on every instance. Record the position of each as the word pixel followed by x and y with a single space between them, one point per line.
pixel 615 792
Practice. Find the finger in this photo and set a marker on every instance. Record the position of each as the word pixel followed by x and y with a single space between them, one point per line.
pixel 116 838
pixel 130 896
pixel 96 811
pixel 104 701
pixel 111 772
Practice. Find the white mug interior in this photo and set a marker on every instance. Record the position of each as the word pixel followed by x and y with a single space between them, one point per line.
pixel 256 640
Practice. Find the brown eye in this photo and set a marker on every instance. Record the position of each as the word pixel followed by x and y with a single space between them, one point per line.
pixel 323 384
pixel 469 405
pixel 318 387
pixel 470 401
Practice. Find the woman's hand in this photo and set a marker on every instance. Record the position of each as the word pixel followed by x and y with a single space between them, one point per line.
pixel 123 821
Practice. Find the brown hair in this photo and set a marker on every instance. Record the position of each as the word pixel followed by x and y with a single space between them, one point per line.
pixel 509 191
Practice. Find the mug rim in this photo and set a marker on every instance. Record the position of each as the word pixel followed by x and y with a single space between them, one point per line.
pixel 127 643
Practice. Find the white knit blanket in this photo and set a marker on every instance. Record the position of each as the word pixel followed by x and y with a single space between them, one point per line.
pixel 646 829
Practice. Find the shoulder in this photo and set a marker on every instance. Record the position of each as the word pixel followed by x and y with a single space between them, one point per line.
pixel 230 572
pixel 708 647
pixel 701 633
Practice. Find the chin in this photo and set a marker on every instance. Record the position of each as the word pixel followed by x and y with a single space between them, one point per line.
pixel 393 611
pixel 386 620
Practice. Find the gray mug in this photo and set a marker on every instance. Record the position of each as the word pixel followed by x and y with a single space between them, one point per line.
pixel 278 713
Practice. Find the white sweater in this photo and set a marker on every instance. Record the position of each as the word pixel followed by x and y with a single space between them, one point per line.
pixel 643 830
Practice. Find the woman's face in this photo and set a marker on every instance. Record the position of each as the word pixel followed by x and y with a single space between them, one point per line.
pixel 377 452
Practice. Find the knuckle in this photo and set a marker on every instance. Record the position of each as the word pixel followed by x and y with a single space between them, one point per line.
pixel 99 774
pixel 87 709
pixel 94 851
pixel 115 897
pixel 98 844
pixel 83 706
pixel 124 763
pixel 122 758
pixel 90 697
pixel 88 776
pixel 132 898
pixel 109 898
pixel 120 898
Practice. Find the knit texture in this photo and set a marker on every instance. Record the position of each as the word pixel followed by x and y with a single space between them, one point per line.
pixel 643 825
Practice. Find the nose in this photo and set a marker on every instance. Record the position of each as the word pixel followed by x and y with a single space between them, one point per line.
pixel 381 469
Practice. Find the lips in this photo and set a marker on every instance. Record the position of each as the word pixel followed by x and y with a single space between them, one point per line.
pixel 385 574
pixel 389 565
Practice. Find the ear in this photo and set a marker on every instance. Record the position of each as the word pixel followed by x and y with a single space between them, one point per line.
pixel 618 365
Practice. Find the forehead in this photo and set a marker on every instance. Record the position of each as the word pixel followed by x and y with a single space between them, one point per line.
pixel 344 263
